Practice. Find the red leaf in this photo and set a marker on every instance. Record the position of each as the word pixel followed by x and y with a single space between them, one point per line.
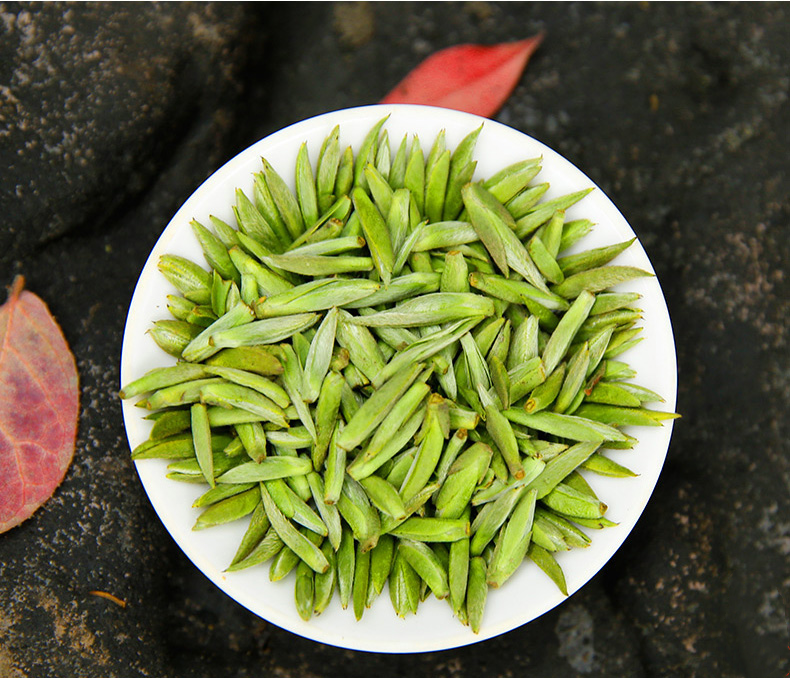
pixel 473 78
pixel 39 406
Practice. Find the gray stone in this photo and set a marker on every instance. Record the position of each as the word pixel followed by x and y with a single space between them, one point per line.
pixel 93 99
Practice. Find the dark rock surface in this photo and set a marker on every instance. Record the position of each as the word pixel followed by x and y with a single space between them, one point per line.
pixel 111 116
pixel 93 102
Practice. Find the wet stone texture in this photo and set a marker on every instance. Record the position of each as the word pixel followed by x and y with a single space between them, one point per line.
pixel 109 118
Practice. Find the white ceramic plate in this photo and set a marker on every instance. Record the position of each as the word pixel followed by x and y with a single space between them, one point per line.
pixel 529 593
